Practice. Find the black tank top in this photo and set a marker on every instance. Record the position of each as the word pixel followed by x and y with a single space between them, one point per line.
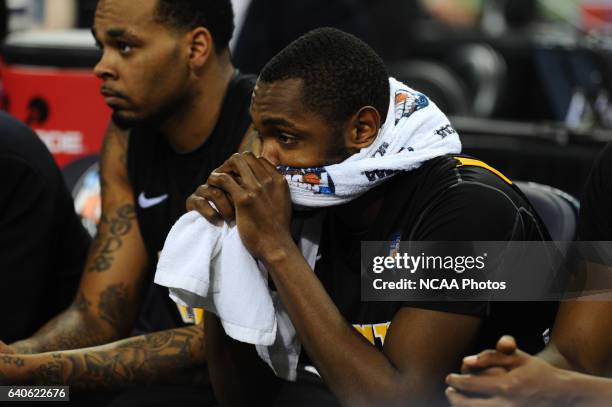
pixel 162 180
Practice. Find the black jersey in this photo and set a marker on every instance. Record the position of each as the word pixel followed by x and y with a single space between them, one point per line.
pixel 162 180
pixel 595 222
pixel 43 244
pixel 447 199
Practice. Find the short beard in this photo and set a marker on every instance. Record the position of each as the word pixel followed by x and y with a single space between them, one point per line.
pixel 124 123
pixel 153 120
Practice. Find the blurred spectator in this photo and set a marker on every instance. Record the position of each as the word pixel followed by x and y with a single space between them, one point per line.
pixel 455 13
pixel 270 25
pixel 41 14
pixel 23 14
pixel 576 79
pixel 500 15
pixel 59 14
pixel 563 11
pixel 586 14
pixel 399 25
pixel 43 244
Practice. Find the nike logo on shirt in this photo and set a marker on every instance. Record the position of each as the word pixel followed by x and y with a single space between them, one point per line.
pixel 146 203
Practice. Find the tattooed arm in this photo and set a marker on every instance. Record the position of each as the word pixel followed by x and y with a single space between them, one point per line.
pixel 105 309
pixel 111 286
pixel 174 356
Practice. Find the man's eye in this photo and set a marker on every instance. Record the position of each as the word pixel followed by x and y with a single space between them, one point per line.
pixel 286 139
pixel 124 47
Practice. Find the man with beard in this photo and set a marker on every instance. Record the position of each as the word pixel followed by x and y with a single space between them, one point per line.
pixel 166 73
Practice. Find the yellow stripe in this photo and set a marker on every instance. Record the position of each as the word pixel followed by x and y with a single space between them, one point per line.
pixel 191 315
pixel 199 315
pixel 477 163
pixel 366 331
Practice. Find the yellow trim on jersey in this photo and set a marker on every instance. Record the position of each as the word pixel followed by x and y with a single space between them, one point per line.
pixel 373 331
pixel 193 316
pixel 477 163
pixel 199 315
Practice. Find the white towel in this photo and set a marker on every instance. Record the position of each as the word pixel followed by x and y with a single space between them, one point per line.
pixel 207 266
pixel 415 131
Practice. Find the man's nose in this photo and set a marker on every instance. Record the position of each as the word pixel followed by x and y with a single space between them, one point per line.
pixel 104 69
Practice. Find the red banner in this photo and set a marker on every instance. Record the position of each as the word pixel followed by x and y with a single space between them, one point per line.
pixel 596 14
pixel 63 106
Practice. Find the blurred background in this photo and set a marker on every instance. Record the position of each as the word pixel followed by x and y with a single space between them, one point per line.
pixel 528 83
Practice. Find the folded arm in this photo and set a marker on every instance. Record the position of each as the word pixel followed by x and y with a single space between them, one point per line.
pixel 508 376
pixel 168 357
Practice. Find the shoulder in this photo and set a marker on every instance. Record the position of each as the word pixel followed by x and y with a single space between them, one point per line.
pixel 456 174
pixel 21 145
pixel 459 197
pixel 23 177
pixel 23 154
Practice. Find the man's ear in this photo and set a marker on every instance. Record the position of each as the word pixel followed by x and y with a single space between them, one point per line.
pixel 201 46
pixel 363 128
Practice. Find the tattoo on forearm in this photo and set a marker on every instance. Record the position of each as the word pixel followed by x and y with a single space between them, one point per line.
pixel 65 340
pixel 50 373
pixel 70 330
pixel 81 303
pixel 113 303
pixel 157 357
pixel 27 347
pixel 109 238
pixel 12 360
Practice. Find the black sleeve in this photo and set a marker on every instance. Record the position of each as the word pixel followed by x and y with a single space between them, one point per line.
pixel 471 212
pixel 25 210
pixel 464 213
pixel 595 222
pixel 26 213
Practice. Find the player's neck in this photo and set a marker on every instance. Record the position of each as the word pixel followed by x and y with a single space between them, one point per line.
pixel 193 124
